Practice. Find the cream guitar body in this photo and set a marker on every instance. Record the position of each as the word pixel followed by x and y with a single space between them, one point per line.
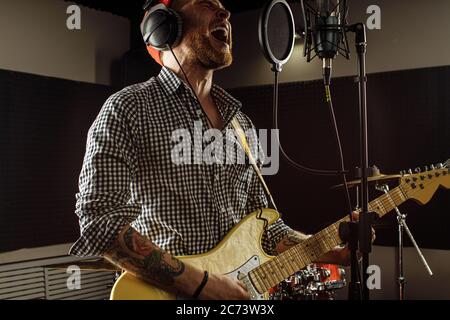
pixel 238 253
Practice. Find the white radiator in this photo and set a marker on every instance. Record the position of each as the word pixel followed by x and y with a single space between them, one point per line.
pixel 36 279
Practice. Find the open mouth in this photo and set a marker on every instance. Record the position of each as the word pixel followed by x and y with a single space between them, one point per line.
pixel 220 34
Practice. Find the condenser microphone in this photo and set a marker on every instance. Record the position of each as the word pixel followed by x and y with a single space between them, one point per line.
pixel 325 23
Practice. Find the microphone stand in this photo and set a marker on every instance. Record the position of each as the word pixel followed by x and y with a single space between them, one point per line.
pixel 365 217
pixel 401 220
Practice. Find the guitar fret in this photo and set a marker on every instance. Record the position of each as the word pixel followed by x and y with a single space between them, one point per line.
pixel 277 274
pixel 301 254
pixel 322 246
pixel 293 257
pixel 263 282
pixel 284 265
pixel 283 270
pixel 337 238
pixel 379 206
pixel 397 196
pixel 327 240
pixel 271 274
pixel 330 237
pixel 387 203
pixel 296 257
pixel 254 277
pixel 405 197
pixel 391 202
pixel 293 260
pixel 288 260
pixel 313 248
pixel 266 276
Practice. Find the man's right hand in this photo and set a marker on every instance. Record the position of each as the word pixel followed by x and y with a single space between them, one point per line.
pixel 220 287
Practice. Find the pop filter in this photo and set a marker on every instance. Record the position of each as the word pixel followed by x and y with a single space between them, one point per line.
pixel 277 32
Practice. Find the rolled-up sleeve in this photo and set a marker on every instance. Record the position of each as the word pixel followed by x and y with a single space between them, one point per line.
pixel 103 203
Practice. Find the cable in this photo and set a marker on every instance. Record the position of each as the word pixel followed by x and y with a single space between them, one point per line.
pixel 339 148
pixel 341 160
pixel 283 153
pixel 190 86
pixel 342 171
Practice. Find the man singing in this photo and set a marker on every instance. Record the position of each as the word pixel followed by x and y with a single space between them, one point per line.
pixel 139 209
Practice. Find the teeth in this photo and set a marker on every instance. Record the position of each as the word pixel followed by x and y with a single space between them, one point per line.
pixel 220 28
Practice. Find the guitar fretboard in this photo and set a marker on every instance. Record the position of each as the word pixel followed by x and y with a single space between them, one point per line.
pixel 299 256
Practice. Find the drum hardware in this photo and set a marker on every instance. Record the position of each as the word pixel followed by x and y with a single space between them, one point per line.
pixel 402 226
pixel 377 178
pixel 315 282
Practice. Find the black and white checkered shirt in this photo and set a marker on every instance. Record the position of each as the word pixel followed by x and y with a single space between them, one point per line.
pixel 128 175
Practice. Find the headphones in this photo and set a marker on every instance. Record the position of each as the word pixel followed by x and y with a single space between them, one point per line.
pixel 161 27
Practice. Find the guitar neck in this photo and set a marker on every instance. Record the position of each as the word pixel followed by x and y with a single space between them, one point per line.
pixel 299 256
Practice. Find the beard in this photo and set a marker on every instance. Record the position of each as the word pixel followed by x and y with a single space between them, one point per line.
pixel 209 56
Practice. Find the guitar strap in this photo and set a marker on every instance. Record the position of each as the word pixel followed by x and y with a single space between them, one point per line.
pixel 243 139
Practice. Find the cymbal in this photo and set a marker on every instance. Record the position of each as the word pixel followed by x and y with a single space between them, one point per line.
pixel 380 177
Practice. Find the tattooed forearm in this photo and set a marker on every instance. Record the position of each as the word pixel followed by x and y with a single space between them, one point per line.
pixel 290 240
pixel 293 238
pixel 138 255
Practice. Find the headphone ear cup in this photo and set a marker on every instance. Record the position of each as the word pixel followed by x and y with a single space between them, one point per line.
pixel 179 29
pixel 161 28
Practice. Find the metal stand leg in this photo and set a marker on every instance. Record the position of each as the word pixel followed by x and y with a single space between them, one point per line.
pixel 401 278
pixel 402 226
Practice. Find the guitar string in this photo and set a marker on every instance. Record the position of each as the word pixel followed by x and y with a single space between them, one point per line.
pixel 396 195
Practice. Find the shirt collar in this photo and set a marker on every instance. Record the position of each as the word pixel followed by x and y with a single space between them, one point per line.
pixel 169 81
pixel 228 106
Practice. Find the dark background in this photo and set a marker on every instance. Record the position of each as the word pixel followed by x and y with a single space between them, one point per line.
pixel 409 126
pixel 43 129
pixel 44 123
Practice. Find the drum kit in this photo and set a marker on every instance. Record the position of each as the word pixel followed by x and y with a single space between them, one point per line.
pixel 315 282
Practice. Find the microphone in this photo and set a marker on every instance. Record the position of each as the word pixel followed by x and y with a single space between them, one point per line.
pixel 325 32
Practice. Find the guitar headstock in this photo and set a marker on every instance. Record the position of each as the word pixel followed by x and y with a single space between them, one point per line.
pixel 422 184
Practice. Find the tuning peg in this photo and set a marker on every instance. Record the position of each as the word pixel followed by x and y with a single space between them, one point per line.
pixel 432 167
pixel 417 170
pixel 426 168
pixel 402 172
pixel 440 166
pixel 409 171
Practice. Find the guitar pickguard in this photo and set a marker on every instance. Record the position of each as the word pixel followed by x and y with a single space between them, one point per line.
pixel 241 274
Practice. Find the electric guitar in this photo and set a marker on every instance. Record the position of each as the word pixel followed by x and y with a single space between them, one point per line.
pixel 239 256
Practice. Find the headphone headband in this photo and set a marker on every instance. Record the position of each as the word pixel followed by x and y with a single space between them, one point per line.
pixel 149 3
